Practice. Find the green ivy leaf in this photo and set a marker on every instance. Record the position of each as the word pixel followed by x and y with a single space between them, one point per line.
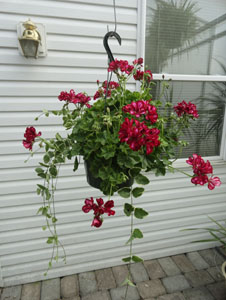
pixel 136 259
pixel 75 164
pixel 141 179
pixel 140 213
pixel 124 192
pixel 44 165
pixel 54 220
pixel 42 187
pixel 50 240
pixel 53 171
pixel 137 234
pixel 39 170
pixel 128 209
pixel 127 281
pixel 39 210
pixel 46 112
pixel 137 192
pixel 48 195
pixel 126 259
pixel 46 158
pixel 47 147
pixel 134 172
pixel 44 227
pixel 58 137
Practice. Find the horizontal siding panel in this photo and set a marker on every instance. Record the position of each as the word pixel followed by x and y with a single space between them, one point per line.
pixel 44 88
pixel 69 27
pixel 91 234
pixel 61 75
pixel 36 233
pixel 65 10
pixel 121 3
pixel 18 161
pixel 69 43
pixel 26 119
pixel 73 194
pixel 72 59
pixel 41 88
pixel 29 173
pixel 70 182
pixel 29 104
pixel 13 222
pixel 76 205
pixel 17 133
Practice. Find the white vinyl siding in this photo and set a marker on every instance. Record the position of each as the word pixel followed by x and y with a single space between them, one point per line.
pixel 76 59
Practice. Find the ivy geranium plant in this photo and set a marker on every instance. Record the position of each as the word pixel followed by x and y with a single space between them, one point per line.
pixel 121 135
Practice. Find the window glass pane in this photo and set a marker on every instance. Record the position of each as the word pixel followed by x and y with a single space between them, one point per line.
pixel 204 135
pixel 186 37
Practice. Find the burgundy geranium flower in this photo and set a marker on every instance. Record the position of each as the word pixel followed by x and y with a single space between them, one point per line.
pixel 137 108
pixel 30 135
pixel 88 205
pixel 138 61
pixel 142 107
pixel 121 65
pixel 97 222
pixel 201 170
pixel 139 75
pixel 71 97
pixel 114 65
pixel 148 75
pixel 99 208
pixel 136 134
pixel 212 182
pixel 184 108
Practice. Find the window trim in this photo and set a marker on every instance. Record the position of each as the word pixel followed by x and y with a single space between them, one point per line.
pixel 141 29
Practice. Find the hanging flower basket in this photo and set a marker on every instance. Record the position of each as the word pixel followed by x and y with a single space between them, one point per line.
pixel 120 137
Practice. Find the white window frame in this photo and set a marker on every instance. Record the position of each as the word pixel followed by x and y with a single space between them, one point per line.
pixel 141 29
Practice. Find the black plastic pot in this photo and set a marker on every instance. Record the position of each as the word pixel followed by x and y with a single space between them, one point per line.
pixel 96 182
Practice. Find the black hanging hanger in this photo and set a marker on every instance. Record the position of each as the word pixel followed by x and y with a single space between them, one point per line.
pixel 106 46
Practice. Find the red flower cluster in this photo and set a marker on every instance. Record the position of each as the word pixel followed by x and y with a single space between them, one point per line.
pixel 102 90
pixel 140 75
pixel 71 97
pixel 138 61
pixel 201 169
pixel 99 209
pixel 184 108
pixel 30 135
pixel 142 107
pixel 121 65
pixel 139 135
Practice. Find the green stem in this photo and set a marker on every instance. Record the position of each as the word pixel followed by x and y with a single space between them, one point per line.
pixel 182 172
pixel 130 246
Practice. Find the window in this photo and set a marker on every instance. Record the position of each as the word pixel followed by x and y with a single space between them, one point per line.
pixel 186 41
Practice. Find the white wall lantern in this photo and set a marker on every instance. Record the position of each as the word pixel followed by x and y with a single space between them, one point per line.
pixel 32 39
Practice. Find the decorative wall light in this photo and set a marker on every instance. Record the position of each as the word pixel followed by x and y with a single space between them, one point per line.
pixel 32 39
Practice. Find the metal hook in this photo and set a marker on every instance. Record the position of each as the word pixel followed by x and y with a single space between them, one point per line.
pixel 106 46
